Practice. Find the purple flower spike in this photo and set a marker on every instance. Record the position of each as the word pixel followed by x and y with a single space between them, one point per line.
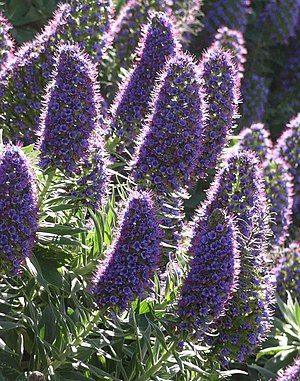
pixel 6 41
pixel 126 29
pixel 89 25
pixel 287 272
pixel 170 142
pixel 70 126
pixel 257 139
pixel 292 373
pixel 232 40
pixel 289 149
pixel 255 95
pixel 221 95
pixel 213 275
pixel 279 190
pixel 186 13
pixel 130 262
pixel 24 78
pixel 230 13
pixel 18 210
pixel 132 102
pixel 239 189
pixel 71 117
pixel 279 20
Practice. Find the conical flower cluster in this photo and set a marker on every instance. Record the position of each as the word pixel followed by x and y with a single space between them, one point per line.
pixel 71 121
pixel 287 272
pixel 131 260
pixel 24 79
pixel 288 148
pixel 126 29
pixel 89 25
pixel 230 13
pixel 279 190
pixel 256 138
pixel 18 210
pixel 255 95
pixel 278 180
pixel 239 189
pixel 213 276
pixel 170 142
pixel 221 97
pixel 6 41
pixel 292 373
pixel 132 102
pixel 279 20
pixel 232 40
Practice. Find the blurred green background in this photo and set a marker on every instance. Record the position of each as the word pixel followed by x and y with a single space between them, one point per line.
pixel 27 16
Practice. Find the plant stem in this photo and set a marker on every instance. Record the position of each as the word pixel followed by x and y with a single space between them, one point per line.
pixel 75 343
pixel 150 372
pixel 47 186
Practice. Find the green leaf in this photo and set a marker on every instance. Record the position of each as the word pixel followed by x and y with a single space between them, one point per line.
pixel 273 350
pixel 264 372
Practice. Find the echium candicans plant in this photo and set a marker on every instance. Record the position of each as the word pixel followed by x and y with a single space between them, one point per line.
pixel 254 91
pixel 126 30
pixel 71 120
pixel 18 210
pixel 131 104
pixel 230 13
pixel 279 190
pixel 213 275
pixel 232 40
pixel 279 20
pixel 132 259
pixel 25 77
pixel 288 148
pixel 221 97
pixel 277 177
pixel 291 373
pixel 287 272
pixel 186 13
pixel 89 25
pixel 170 142
pixel 239 188
pixel 256 138
pixel 6 41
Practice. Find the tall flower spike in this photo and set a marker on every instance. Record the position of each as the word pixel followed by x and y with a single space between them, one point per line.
pixel 256 138
pixel 126 29
pixel 23 81
pixel 71 121
pixel 89 25
pixel 132 102
pixel 239 189
pixel 232 40
pixel 279 20
pixel 292 373
pixel 6 41
pixel 221 95
pixel 230 13
pixel 186 13
pixel 287 272
pixel 131 260
pixel 18 210
pixel 288 148
pixel 170 141
pixel 278 181
pixel 214 272
pixel 255 93
pixel 279 190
